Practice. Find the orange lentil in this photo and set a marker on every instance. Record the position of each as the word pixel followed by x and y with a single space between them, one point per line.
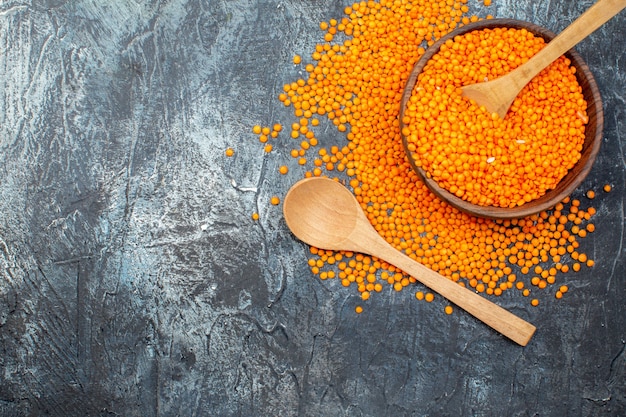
pixel 355 82
pixel 478 157
pixel 607 188
pixel 255 216
pixel 283 169
pixel 534 302
pixel 429 297
pixel 591 194
pixel 358 309
pixel 275 200
pixel 448 309
pixel 230 152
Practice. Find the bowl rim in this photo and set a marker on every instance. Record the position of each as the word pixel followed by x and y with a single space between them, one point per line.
pixel 575 175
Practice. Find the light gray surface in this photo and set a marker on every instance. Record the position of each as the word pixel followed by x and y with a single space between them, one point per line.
pixel 134 282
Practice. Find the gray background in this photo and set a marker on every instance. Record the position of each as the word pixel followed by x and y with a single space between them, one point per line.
pixel 134 282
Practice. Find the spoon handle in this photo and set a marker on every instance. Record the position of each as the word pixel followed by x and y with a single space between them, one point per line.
pixel 597 15
pixel 496 317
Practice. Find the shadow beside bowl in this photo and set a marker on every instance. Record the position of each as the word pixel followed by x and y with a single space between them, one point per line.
pixel 591 145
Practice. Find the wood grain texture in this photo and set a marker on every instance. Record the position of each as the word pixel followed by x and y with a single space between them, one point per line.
pixel 133 282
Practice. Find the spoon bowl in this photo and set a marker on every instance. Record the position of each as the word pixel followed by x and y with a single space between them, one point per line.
pixel 323 213
pixel 575 176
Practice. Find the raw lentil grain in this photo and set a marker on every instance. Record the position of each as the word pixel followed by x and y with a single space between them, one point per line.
pixel 355 82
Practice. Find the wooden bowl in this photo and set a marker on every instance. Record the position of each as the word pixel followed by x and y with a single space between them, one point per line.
pixel 591 145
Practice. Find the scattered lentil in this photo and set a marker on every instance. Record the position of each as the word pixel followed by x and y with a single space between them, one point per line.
pixel 355 81
pixel 230 152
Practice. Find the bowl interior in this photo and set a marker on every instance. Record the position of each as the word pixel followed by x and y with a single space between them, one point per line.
pixel 591 145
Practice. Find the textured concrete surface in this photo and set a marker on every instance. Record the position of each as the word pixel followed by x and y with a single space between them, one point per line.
pixel 134 282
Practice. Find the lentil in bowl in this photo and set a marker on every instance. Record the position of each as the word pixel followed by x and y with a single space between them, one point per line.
pixel 486 166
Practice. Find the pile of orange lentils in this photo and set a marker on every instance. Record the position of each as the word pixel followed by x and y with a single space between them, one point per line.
pixel 355 80
pixel 476 155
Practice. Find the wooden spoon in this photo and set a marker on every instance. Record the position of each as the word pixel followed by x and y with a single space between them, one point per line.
pixel 498 95
pixel 325 214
